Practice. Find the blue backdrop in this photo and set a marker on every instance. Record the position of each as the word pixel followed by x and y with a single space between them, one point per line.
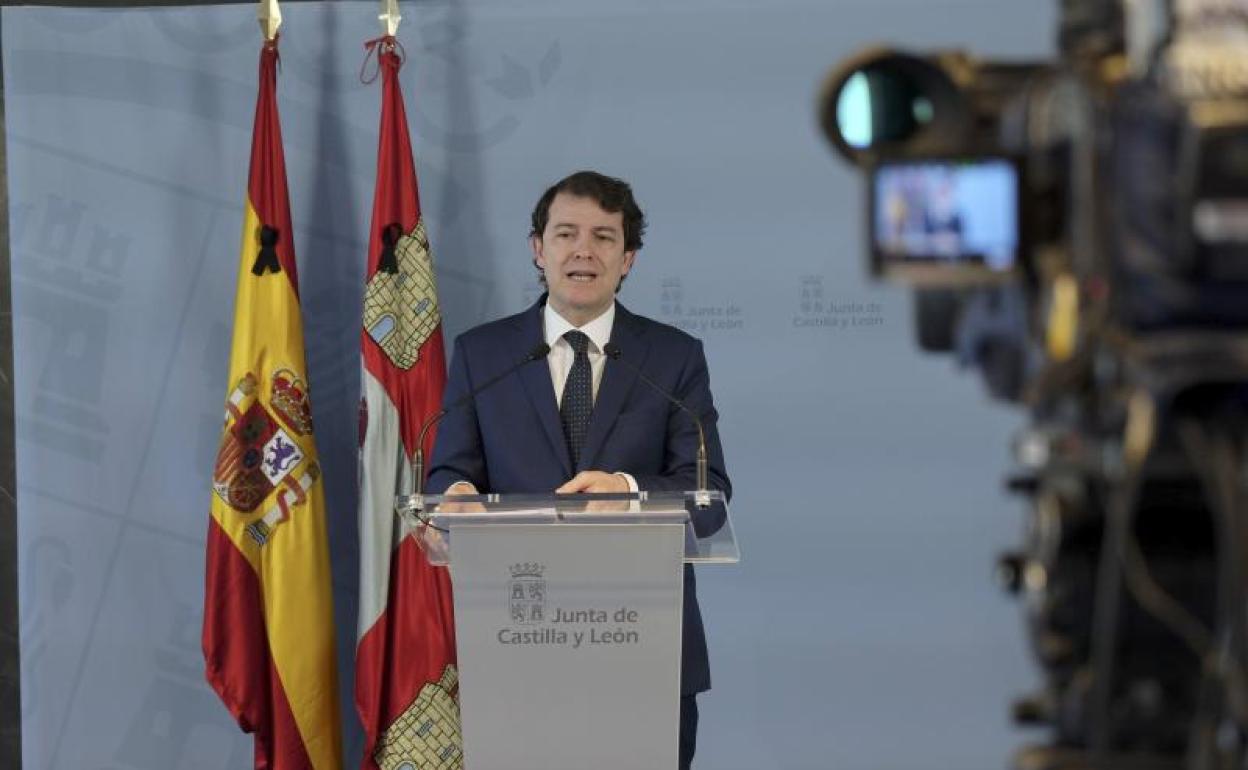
pixel 861 629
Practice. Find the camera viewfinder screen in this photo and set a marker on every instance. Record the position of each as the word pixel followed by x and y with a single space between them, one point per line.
pixel 955 213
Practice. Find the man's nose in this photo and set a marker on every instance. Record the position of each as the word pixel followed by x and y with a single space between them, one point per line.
pixel 583 248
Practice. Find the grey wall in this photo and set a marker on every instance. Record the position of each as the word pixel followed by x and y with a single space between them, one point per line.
pixel 860 631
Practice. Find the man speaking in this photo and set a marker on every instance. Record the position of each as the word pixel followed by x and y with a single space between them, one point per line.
pixel 580 422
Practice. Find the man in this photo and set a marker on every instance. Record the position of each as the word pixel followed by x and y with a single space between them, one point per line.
pixel 942 219
pixel 578 422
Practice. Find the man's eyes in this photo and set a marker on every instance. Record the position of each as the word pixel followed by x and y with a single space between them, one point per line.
pixel 604 237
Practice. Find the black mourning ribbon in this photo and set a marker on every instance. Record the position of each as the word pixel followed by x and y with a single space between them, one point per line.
pixel 390 235
pixel 266 260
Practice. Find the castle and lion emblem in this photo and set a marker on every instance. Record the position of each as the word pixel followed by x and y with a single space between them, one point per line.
pixel 426 736
pixel 526 594
pixel 401 307
pixel 258 461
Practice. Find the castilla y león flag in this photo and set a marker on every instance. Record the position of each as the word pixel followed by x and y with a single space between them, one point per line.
pixel 268 631
pixel 406 682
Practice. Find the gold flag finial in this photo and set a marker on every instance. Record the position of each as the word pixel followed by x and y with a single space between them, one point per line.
pixel 270 17
pixel 389 17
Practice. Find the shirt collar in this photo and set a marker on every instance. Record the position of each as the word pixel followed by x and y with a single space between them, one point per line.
pixel 598 330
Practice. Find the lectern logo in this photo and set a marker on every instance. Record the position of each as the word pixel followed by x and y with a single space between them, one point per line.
pixel 526 594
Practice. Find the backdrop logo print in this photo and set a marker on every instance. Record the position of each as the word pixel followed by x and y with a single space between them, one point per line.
pixel 671 298
pixel 178 722
pixel 187 29
pixel 59 254
pixel 47 586
pixel 815 310
pixel 513 80
pixel 697 317
pixel 79 23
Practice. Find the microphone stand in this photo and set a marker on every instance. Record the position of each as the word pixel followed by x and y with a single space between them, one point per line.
pixel 418 455
pixel 702 495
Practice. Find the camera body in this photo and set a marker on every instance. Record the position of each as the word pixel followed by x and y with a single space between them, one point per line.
pixel 1077 230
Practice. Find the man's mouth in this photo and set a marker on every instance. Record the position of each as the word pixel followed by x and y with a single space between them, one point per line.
pixel 581 276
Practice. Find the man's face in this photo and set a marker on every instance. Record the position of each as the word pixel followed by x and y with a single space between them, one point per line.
pixel 582 255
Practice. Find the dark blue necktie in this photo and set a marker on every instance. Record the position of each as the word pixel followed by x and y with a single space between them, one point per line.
pixel 578 396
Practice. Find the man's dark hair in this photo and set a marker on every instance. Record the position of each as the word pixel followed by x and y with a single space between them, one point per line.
pixel 613 195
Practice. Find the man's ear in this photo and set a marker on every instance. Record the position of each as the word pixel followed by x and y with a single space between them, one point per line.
pixel 628 262
pixel 535 243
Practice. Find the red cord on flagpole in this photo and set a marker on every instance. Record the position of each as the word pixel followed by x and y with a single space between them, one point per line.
pixel 380 46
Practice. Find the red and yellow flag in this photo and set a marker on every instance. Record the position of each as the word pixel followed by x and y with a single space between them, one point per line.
pixel 406 682
pixel 268 632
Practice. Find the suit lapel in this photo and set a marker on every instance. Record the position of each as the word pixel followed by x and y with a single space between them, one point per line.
pixel 541 389
pixel 617 381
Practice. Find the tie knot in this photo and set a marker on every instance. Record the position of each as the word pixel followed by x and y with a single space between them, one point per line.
pixel 579 341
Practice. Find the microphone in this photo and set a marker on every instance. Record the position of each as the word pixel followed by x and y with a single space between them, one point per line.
pixel 418 457
pixel 701 496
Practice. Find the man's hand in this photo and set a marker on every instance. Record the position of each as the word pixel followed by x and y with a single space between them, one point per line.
pixel 594 481
pixel 598 481
pixel 460 488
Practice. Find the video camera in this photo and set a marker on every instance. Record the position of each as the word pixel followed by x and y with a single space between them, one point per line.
pixel 1077 230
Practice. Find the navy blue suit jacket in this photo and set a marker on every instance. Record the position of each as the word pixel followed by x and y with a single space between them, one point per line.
pixel 509 439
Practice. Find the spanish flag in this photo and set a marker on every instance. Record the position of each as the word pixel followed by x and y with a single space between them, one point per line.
pixel 268 633
pixel 406 680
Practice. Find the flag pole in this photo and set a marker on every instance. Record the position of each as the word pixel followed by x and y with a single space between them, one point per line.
pixel 270 17
pixel 389 17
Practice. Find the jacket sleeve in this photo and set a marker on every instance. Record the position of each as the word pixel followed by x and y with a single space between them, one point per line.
pixel 457 449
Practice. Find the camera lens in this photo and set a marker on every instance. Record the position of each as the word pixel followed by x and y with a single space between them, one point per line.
pixel 881 105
